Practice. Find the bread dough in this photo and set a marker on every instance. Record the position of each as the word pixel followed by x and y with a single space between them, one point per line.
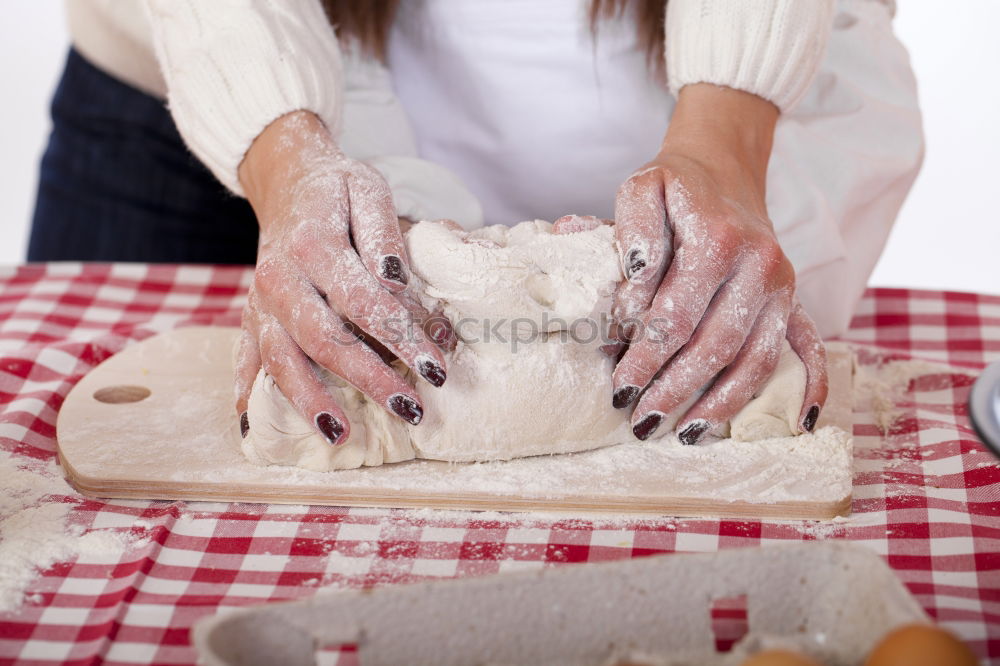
pixel 531 309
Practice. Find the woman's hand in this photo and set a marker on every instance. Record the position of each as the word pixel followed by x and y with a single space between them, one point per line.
pixel 331 268
pixel 709 292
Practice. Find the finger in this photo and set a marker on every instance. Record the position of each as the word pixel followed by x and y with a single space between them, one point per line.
pixel 612 349
pixel 806 342
pixel 284 361
pixel 339 275
pixel 632 301
pixel 714 345
pixel 325 338
pixel 435 325
pixel 357 297
pixel 641 225
pixel 438 328
pixel 742 379
pixel 571 224
pixel 247 366
pixel 363 368
pixel 677 309
pixel 451 224
pixel 351 328
pixel 645 243
pixel 388 321
pixel 375 227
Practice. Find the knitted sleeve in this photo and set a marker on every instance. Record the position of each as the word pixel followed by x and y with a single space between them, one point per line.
pixel 770 48
pixel 234 66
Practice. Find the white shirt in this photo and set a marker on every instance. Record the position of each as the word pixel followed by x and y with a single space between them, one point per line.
pixel 517 98
pixel 513 101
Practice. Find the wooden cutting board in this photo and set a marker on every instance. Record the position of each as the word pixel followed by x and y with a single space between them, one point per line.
pixel 156 421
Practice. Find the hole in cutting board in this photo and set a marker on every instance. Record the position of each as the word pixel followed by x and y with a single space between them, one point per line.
pixel 116 395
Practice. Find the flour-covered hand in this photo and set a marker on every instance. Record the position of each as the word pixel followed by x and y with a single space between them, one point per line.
pixel 709 293
pixel 330 275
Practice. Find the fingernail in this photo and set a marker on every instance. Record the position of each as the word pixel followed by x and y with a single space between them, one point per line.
pixel 624 396
pixel 244 425
pixel 431 371
pixel 809 422
pixel 647 426
pixel 635 261
pixel 406 408
pixel 691 434
pixel 330 426
pixel 392 269
pixel 439 333
pixel 613 350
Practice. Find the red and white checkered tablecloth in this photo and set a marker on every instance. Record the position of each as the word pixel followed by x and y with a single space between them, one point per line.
pixel 926 496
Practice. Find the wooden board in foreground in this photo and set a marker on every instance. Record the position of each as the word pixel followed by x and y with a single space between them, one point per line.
pixel 156 422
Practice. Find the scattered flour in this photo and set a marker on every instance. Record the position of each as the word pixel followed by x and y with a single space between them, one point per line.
pixel 880 386
pixel 810 467
pixel 36 529
pixel 820 530
pixel 885 394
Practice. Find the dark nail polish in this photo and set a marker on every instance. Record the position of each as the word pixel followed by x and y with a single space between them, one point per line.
pixel 244 425
pixel 634 263
pixel 392 269
pixel 693 432
pixel 647 426
pixel 432 372
pixel 809 422
pixel 330 426
pixel 439 333
pixel 624 396
pixel 406 407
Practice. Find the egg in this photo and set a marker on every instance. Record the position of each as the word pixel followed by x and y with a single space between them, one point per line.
pixel 779 658
pixel 921 645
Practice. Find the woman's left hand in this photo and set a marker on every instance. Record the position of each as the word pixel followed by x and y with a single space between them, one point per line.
pixel 709 292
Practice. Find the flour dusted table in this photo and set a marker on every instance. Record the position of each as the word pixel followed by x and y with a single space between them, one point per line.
pixel 926 496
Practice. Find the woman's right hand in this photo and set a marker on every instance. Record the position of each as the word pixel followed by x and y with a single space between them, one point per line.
pixel 331 266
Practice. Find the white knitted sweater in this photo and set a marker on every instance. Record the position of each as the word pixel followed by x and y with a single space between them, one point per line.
pixel 230 67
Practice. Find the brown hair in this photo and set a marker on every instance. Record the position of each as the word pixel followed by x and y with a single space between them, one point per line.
pixel 368 21
pixel 649 17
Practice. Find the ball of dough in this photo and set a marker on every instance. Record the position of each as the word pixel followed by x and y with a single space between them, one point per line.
pixel 278 435
pixel 532 309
